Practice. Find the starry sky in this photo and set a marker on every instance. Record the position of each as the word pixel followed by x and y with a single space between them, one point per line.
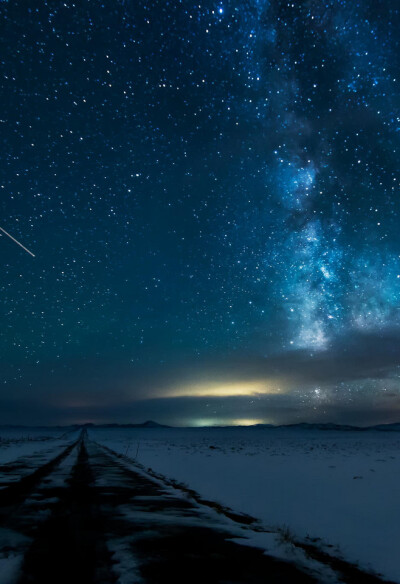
pixel 211 193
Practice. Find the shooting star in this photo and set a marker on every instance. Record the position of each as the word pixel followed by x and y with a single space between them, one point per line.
pixel 17 242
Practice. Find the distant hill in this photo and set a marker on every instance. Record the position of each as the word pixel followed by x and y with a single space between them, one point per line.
pixel 394 427
pixel 387 427
pixel 323 426
pixel 148 424
pixel 317 426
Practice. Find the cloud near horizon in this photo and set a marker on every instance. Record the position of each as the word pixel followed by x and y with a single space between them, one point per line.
pixel 281 388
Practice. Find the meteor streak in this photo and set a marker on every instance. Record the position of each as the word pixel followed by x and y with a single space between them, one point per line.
pixel 17 242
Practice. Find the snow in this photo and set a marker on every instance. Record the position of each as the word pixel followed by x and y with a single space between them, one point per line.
pixel 341 487
pixel 273 544
pixel 9 568
pixel 204 516
pixel 11 556
pixel 17 442
pixel 124 566
pixel 22 451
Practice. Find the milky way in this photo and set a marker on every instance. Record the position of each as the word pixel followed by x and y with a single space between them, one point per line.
pixel 211 191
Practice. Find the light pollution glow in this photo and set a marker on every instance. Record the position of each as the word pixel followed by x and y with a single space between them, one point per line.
pixel 202 422
pixel 224 389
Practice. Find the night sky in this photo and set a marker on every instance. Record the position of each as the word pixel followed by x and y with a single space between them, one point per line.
pixel 211 192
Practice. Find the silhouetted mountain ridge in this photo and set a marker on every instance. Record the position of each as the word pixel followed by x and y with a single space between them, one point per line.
pixel 323 426
pixel 147 424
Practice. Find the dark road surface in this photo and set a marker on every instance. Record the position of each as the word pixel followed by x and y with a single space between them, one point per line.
pixel 88 518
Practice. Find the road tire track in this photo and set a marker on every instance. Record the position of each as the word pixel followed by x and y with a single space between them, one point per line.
pixel 16 492
pixel 69 547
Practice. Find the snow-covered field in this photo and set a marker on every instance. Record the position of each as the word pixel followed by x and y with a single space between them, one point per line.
pixel 339 486
pixel 42 443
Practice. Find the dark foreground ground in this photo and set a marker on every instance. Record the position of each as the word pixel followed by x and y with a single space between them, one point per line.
pixel 87 517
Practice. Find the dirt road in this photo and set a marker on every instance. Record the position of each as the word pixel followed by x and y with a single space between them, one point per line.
pixel 88 517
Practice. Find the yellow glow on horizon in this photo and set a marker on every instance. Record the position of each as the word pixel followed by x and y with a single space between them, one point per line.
pixel 246 422
pixel 224 389
pixel 201 422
